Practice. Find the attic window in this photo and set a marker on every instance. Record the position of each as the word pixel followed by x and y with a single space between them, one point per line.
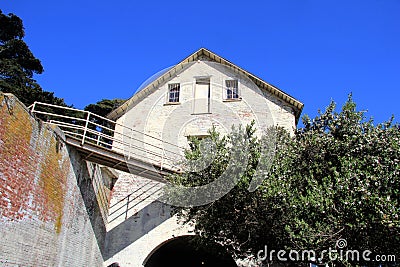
pixel 231 89
pixel 173 92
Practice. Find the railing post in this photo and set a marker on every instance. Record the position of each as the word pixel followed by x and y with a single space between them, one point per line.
pixel 85 130
pixel 33 107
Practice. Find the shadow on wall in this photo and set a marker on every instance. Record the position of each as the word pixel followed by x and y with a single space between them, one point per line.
pixel 135 227
pixel 131 228
pixel 86 186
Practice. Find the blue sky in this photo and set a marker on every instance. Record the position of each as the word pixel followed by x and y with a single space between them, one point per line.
pixel 315 50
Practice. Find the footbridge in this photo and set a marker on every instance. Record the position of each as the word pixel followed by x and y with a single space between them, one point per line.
pixel 98 141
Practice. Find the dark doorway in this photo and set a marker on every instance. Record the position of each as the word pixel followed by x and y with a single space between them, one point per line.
pixel 182 252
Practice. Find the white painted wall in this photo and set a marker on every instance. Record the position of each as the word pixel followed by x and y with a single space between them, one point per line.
pixel 147 223
pixel 173 123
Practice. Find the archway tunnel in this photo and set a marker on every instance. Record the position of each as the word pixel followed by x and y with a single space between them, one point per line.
pixel 183 252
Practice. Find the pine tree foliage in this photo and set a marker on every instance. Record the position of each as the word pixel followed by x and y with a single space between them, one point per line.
pixel 18 64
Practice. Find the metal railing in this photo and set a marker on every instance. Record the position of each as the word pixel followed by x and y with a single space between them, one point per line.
pixel 90 128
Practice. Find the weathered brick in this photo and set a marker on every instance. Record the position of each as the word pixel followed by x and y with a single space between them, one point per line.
pixel 43 216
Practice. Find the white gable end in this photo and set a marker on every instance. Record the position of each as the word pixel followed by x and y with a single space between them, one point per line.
pixel 197 109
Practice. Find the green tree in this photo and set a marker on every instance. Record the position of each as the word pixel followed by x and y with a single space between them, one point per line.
pixel 336 178
pixel 104 106
pixel 18 64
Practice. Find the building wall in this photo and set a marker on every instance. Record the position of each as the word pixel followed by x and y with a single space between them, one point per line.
pixel 49 213
pixel 172 124
pixel 137 222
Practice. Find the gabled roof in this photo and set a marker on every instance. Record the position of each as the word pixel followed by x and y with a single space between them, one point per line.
pixel 199 54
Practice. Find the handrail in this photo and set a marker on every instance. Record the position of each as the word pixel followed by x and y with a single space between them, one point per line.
pixel 102 118
pixel 88 127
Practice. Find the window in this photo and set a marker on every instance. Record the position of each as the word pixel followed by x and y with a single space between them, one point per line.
pixel 173 92
pixel 232 89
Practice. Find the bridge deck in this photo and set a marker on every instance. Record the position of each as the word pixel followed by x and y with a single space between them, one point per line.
pixel 92 135
pixel 113 159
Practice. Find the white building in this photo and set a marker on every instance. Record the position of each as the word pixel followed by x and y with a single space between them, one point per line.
pixel 202 91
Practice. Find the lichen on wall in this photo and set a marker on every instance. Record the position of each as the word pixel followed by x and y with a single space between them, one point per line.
pixel 53 183
pixel 15 153
pixel 23 153
pixel 43 219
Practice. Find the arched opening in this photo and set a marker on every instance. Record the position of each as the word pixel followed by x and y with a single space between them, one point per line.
pixel 183 252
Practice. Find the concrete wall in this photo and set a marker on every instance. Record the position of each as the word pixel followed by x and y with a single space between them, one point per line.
pixel 49 209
